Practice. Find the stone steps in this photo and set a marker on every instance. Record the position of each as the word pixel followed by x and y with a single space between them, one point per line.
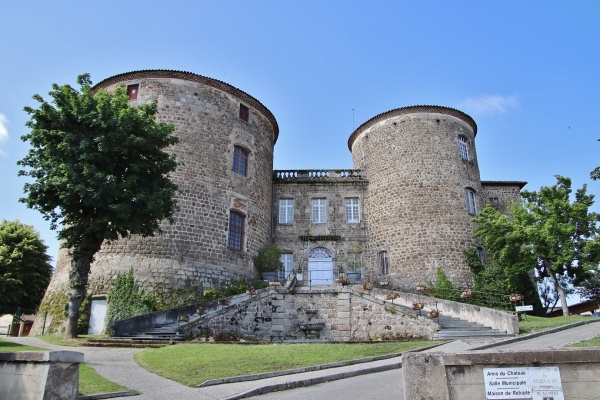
pixel 130 343
pixel 455 328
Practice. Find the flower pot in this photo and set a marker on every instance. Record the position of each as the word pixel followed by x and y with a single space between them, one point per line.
pixel 354 276
pixel 268 276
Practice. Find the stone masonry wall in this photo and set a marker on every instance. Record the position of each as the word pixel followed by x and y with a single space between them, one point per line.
pixel 345 316
pixel 302 235
pixel 416 201
pixel 501 195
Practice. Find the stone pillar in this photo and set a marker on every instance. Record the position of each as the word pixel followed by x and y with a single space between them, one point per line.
pixel 344 313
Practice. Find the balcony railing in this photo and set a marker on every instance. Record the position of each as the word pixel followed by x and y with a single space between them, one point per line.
pixel 317 174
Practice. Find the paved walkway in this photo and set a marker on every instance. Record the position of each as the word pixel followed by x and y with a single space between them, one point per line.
pixel 117 365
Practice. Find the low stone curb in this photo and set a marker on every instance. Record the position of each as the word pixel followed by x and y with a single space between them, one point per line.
pixel 311 381
pixel 535 334
pixel 106 395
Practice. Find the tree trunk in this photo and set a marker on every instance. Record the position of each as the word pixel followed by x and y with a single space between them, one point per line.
pixel 560 291
pixel 78 280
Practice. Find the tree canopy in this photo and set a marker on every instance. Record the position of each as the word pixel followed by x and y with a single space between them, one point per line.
pixel 549 232
pixel 25 268
pixel 100 170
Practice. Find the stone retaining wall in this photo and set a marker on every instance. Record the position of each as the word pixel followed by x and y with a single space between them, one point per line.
pixel 40 375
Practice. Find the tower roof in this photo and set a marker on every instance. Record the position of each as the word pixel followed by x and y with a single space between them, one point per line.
pixel 411 110
pixel 189 76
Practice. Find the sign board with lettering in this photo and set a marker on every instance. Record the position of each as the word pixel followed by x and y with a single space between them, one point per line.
pixel 523 308
pixel 532 383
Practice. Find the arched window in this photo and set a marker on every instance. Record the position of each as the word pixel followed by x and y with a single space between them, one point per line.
pixel 464 148
pixel 235 240
pixel 471 203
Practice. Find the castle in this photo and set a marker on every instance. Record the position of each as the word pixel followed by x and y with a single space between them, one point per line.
pixel 401 213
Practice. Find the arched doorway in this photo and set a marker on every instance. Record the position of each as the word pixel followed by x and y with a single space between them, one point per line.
pixel 320 266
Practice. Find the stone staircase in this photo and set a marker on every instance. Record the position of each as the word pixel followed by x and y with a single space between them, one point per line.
pixel 454 328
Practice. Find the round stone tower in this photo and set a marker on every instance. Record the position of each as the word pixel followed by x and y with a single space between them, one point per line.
pixel 423 191
pixel 225 151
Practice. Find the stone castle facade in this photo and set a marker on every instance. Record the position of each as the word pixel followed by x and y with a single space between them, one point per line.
pixel 402 212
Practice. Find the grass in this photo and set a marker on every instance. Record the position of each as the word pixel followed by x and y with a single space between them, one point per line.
pixel 90 382
pixel 61 341
pixel 595 342
pixel 535 324
pixel 8 346
pixel 192 364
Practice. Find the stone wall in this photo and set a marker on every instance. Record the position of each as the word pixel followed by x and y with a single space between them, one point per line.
pixel 501 195
pixel 343 314
pixel 460 376
pixel 337 235
pixel 416 200
pixel 40 375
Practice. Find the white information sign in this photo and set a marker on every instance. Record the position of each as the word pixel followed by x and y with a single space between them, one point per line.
pixel 523 308
pixel 532 383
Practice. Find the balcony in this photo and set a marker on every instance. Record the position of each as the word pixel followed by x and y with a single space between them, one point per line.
pixel 311 175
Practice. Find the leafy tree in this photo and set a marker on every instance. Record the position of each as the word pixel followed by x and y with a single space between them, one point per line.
pixel 557 237
pixel 268 258
pixel 25 268
pixel 590 287
pixel 100 170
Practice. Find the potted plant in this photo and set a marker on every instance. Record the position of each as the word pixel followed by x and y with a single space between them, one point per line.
pixel 184 318
pixel 416 305
pixel 268 262
pixel 223 301
pixel 344 280
pixel 433 313
pixel 368 285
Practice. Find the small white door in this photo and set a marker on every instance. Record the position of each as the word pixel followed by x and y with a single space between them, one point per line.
pixel 97 315
pixel 320 267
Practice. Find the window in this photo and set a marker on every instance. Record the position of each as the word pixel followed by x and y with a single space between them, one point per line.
pixel 354 261
pixel 286 211
pixel 236 231
pixel 493 200
pixel 287 261
pixel 132 91
pixel 383 262
pixel 480 256
pixel 464 148
pixel 319 211
pixel 352 210
pixel 244 113
pixel 240 161
pixel 471 205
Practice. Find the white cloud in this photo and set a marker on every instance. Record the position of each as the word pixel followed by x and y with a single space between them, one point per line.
pixel 490 104
pixel 3 130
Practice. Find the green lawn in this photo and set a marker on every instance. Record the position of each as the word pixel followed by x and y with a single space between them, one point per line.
pixel 535 324
pixel 61 341
pixel 595 342
pixel 9 346
pixel 192 364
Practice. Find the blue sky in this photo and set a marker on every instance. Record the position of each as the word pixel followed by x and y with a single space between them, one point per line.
pixel 527 72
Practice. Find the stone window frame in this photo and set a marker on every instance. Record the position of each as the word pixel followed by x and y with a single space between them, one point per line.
pixel 383 262
pixel 241 156
pixel 352 210
pixel 287 264
pixel 286 211
pixel 471 201
pixel 479 252
pixel 133 90
pixel 236 230
pixel 463 144
pixel 318 213
pixel 244 112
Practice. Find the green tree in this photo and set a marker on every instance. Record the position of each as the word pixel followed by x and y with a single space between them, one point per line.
pixel 549 232
pixel 99 169
pixel 25 268
pixel 590 287
pixel 268 258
